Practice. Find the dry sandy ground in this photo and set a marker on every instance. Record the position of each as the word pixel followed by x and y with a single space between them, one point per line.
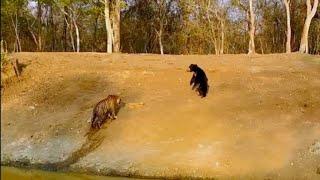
pixel 261 118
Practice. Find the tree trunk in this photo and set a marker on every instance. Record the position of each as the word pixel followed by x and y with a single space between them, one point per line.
pixel 216 47
pixel 316 46
pixel 65 36
pixel 160 40
pixel 261 46
pixel 213 38
pixel 15 26
pixel 53 30
pixel 304 46
pixel 77 34
pixel 35 40
pixel 39 26
pixel 71 37
pixel 108 25
pixel 222 37
pixel 311 11
pixel 288 43
pixel 251 29
pixel 116 25
pixel 2 47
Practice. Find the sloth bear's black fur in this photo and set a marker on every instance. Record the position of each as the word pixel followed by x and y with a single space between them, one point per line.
pixel 199 80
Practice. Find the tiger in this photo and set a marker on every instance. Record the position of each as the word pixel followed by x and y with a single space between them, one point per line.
pixel 104 110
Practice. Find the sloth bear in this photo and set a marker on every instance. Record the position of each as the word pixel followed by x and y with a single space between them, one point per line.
pixel 199 80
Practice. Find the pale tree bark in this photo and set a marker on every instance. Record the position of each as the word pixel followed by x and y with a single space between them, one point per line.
pixel 161 18
pixel 221 20
pixel 288 43
pixel 3 48
pixel 73 22
pixel 108 25
pixel 261 46
pixel 251 29
pixel 71 37
pixel 159 33
pixel 218 48
pixel 34 37
pixel 250 19
pixel 74 18
pixel 311 11
pixel 77 35
pixel 53 27
pixel 222 37
pixel 116 25
pixel 15 26
pixel 35 40
pixel 40 26
pixel 65 23
pixel 70 27
pixel 220 17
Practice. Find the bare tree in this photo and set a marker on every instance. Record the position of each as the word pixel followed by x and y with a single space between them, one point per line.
pixel 43 19
pixel 73 23
pixel 288 43
pixel 108 25
pixel 115 19
pixel 3 46
pixel 250 19
pixel 251 29
pixel 74 20
pixel 39 14
pixel 30 27
pixel 70 27
pixel 212 28
pixel 219 13
pixel 161 21
pixel 73 16
pixel 222 24
pixel 15 26
pixel 65 25
pixel 311 11
pixel 53 28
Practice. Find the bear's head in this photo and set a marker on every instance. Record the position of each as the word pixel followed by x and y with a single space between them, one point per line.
pixel 193 68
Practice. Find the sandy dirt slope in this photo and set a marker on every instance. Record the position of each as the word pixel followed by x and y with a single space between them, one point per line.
pixel 261 117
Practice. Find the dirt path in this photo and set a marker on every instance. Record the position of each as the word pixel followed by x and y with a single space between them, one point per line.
pixel 261 117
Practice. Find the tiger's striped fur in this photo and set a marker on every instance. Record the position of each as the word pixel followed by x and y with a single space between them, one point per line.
pixel 104 110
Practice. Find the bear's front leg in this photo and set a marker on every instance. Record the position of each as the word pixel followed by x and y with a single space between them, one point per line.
pixel 192 80
pixel 195 86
